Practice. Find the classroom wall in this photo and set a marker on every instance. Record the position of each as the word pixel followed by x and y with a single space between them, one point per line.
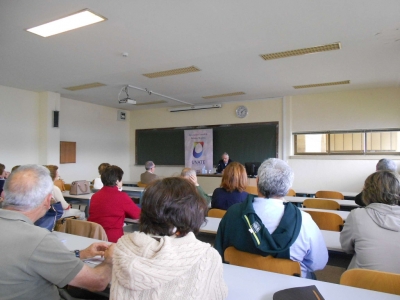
pixel 99 138
pixel 259 111
pixel 19 123
pixel 26 122
pixel 350 110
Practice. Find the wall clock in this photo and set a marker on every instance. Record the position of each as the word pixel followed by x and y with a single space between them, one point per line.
pixel 241 111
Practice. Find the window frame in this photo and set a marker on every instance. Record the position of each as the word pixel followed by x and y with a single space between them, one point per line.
pixel 363 152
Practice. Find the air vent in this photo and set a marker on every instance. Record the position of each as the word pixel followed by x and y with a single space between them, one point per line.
pixel 334 46
pixel 85 86
pixel 151 102
pixel 224 95
pixel 321 84
pixel 172 72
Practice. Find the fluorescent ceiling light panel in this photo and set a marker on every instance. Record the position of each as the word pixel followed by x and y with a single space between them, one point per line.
pixel 84 86
pixel 74 21
pixel 334 46
pixel 224 95
pixel 321 84
pixel 172 72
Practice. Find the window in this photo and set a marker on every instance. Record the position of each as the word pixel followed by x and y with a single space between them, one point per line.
pixel 348 142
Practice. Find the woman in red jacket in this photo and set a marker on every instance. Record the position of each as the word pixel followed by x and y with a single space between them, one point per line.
pixel 109 207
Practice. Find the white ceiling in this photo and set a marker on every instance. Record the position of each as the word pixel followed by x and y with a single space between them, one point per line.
pixel 222 38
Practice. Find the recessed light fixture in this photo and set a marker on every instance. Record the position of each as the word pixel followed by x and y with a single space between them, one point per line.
pixel 223 95
pixel 172 72
pixel 84 86
pixel 80 19
pixel 321 84
pixel 334 46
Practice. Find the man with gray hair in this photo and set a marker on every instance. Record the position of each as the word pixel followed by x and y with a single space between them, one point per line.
pixel 148 176
pixel 190 174
pixel 383 164
pixel 33 261
pixel 267 225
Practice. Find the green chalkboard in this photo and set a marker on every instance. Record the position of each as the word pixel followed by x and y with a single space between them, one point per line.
pixel 251 142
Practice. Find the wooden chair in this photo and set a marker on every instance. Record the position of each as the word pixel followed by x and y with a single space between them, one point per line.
pixel 216 213
pixel 81 228
pixel 60 184
pixel 252 190
pixel 329 195
pixel 372 280
pixel 259 262
pixel 327 220
pixel 139 184
pixel 321 203
pixel 67 186
pixel 291 192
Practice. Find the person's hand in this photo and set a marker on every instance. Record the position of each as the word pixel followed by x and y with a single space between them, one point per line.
pixel 193 179
pixel 109 253
pixel 95 249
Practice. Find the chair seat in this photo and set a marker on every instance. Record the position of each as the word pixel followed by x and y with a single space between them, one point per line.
pixel 259 262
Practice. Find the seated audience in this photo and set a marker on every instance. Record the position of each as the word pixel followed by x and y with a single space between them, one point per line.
pixel 97 184
pixel 109 207
pixel 233 185
pixel 59 198
pixel 33 260
pixel 372 233
pixel 190 174
pixel 148 176
pixel 164 260
pixel 267 225
pixel 3 176
pixel 223 163
pixel 382 165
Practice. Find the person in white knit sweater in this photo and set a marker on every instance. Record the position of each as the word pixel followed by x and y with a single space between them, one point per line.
pixel 165 260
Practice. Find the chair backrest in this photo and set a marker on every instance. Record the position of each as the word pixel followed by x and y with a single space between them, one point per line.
pixel 372 280
pixel 291 192
pixel 321 203
pixel 82 228
pixel 252 190
pixel 329 195
pixel 140 184
pixel 265 263
pixel 216 213
pixel 327 220
pixel 60 184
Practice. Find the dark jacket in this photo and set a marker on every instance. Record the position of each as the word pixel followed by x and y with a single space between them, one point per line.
pixel 243 229
pixel 221 166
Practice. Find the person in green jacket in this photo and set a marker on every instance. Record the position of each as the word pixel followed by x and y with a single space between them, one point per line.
pixel 268 225
pixel 190 174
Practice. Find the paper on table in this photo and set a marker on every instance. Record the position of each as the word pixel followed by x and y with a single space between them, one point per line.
pixel 94 260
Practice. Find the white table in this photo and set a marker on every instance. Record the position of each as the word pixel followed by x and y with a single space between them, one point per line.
pixel 347 195
pixel 341 213
pixel 350 203
pixel 331 238
pixel 245 283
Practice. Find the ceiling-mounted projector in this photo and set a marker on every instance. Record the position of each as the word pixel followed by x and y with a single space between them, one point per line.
pixel 127 101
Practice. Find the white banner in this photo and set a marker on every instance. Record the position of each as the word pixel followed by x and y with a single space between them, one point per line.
pixel 199 150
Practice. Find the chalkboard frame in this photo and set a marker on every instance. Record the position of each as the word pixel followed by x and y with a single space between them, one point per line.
pixel 179 142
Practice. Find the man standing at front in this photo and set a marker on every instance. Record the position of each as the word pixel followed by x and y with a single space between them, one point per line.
pixel 267 225
pixel 148 176
pixel 33 261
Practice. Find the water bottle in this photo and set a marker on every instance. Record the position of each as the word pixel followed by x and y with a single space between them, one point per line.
pixel 203 171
